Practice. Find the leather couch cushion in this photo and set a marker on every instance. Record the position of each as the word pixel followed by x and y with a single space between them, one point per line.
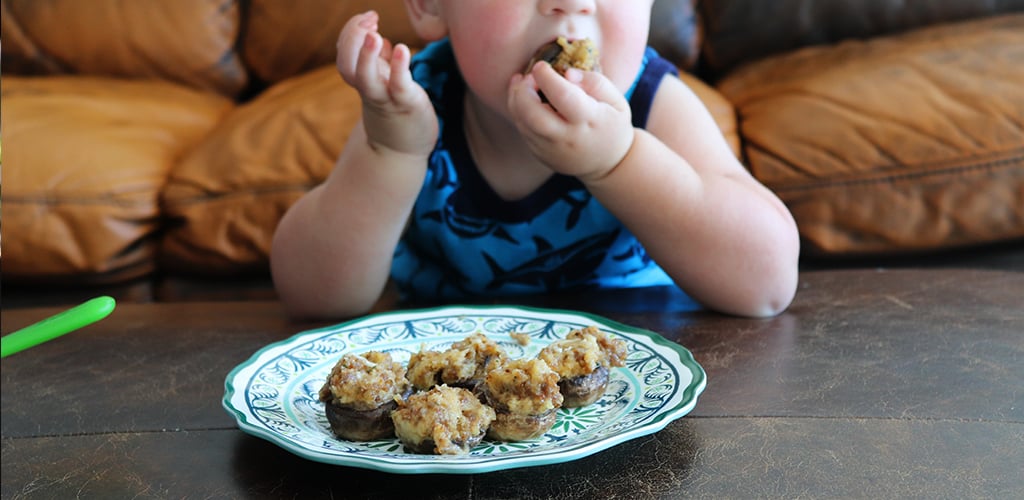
pixel 225 198
pixel 84 161
pixel 744 30
pixel 285 38
pixel 185 41
pixel 909 142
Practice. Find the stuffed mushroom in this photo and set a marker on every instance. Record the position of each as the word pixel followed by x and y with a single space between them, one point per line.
pixel 464 364
pixel 444 421
pixel 525 396
pixel 582 360
pixel 563 54
pixel 359 395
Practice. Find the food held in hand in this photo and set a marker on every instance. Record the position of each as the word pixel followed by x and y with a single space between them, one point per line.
pixel 464 364
pixel 563 54
pixel 525 396
pixel 444 420
pixel 582 361
pixel 360 394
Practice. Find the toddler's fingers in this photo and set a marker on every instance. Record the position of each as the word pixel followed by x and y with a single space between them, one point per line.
pixel 350 42
pixel 529 113
pixel 516 86
pixel 602 89
pixel 568 99
pixel 385 49
pixel 369 79
pixel 401 85
pixel 348 47
pixel 367 20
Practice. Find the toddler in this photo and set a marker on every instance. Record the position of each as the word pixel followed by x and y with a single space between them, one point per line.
pixel 471 175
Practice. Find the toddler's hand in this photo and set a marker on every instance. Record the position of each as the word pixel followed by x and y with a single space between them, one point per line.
pixel 397 112
pixel 585 131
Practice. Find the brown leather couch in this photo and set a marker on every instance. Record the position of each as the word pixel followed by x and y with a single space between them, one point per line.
pixel 151 146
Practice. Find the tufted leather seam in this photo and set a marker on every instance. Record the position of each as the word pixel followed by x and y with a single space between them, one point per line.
pixel 896 177
pixel 64 200
pixel 191 200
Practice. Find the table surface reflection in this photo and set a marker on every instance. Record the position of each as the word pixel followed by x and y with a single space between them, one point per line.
pixel 891 383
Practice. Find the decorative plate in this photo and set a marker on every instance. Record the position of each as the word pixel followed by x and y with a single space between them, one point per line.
pixel 273 395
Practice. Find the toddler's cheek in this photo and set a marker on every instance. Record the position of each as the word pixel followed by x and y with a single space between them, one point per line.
pixel 622 46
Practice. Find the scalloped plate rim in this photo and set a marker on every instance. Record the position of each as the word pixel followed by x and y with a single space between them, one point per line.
pixel 432 464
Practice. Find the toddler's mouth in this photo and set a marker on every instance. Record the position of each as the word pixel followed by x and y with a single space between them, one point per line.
pixel 563 54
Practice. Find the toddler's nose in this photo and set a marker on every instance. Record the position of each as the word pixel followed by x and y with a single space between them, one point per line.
pixel 563 7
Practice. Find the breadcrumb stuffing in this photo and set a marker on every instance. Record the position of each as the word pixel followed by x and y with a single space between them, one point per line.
pixel 581 54
pixel 523 386
pixel 364 381
pixel 614 350
pixel 449 416
pixel 522 339
pixel 582 351
pixel 464 363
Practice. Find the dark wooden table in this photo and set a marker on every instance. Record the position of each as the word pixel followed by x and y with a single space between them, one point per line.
pixel 873 384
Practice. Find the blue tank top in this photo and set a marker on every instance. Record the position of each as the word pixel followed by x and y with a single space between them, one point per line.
pixel 463 240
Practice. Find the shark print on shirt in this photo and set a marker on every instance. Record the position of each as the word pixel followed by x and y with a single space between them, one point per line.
pixel 463 240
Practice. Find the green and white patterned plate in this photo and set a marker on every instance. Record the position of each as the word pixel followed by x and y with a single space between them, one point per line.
pixel 273 395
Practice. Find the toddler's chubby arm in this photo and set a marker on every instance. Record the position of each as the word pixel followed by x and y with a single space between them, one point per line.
pixel 331 253
pixel 722 236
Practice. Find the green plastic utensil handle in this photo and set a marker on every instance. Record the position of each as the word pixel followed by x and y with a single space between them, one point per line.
pixel 59 324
